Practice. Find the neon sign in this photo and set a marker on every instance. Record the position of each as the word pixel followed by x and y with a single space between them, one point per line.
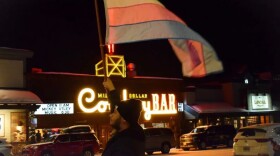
pixel 115 65
pixel 101 106
pixel 159 104
pixel 163 107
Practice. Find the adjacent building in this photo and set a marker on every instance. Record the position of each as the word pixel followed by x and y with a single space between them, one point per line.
pixel 236 103
pixel 16 102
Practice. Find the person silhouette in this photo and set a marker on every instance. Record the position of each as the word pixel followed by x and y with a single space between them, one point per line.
pixel 128 138
pixel 38 136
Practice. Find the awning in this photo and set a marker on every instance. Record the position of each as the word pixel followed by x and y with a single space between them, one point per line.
pixel 22 99
pixel 216 108
pixel 220 109
pixel 213 109
pixel 190 113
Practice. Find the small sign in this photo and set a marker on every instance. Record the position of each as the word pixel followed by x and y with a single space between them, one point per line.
pixel 55 108
pixel 180 107
pixel 260 102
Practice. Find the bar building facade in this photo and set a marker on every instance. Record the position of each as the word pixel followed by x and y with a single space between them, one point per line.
pixel 77 99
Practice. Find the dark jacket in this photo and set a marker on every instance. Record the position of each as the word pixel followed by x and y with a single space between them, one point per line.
pixel 129 142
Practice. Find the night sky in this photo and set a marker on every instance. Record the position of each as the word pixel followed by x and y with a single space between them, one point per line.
pixel 63 35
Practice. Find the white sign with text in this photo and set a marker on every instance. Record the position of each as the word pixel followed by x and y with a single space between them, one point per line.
pixel 55 108
pixel 260 102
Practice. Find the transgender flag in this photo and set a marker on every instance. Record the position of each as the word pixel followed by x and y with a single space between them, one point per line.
pixel 141 20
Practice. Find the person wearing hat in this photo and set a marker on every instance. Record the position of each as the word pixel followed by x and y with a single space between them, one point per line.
pixel 128 138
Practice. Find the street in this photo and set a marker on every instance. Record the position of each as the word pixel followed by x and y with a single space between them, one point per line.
pixel 209 152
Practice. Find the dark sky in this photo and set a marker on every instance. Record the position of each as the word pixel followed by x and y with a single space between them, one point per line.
pixel 63 34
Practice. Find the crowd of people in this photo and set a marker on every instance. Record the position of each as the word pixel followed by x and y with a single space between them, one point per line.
pixel 37 136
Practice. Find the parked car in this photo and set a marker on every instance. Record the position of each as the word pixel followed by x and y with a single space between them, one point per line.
pixel 77 129
pixel 5 147
pixel 260 139
pixel 208 136
pixel 65 144
pixel 159 139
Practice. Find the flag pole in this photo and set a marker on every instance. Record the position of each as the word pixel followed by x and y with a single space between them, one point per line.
pixel 101 45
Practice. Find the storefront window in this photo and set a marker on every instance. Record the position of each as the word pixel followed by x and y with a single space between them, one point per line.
pixel 18 126
pixel 2 128
pixel 252 120
pixel 235 124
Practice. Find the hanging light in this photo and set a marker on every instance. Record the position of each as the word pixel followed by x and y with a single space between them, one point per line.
pixel 111 48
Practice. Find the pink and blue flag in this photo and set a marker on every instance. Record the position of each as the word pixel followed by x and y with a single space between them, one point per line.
pixel 142 20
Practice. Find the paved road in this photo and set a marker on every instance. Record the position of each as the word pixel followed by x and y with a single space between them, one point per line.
pixel 208 152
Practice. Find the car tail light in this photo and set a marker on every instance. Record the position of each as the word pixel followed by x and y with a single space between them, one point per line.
pixel 96 147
